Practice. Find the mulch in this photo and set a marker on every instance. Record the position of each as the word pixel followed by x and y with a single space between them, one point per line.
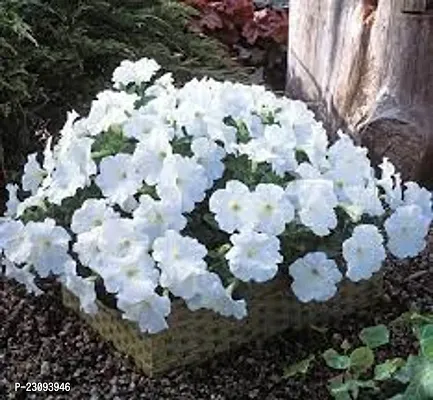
pixel 41 341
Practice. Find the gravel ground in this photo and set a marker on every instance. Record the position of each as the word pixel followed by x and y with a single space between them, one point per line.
pixel 41 341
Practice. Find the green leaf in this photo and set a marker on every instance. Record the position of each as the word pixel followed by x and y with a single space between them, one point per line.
pixel 413 318
pixel 414 365
pixel 339 389
pixel 375 336
pixel 361 359
pixel 299 368
pixel 356 385
pixel 335 360
pixel 421 386
pixel 211 221
pixel 426 340
pixel 342 389
pixel 386 370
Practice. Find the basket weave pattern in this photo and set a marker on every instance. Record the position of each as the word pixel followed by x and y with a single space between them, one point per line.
pixel 197 336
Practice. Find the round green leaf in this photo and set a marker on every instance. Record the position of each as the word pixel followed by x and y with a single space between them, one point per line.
pixel 386 370
pixel 375 336
pixel 361 359
pixel 335 360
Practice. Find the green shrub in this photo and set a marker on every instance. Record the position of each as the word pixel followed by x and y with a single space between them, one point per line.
pixel 55 55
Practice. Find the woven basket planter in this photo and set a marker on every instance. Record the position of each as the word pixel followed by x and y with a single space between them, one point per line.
pixel 197 336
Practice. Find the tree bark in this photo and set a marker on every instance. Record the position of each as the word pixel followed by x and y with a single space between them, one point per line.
pixel 367 65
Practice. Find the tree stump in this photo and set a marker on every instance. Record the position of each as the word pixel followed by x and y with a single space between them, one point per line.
pixel 367 65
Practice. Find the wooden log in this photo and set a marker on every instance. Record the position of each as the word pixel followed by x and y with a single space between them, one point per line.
pixel 367 65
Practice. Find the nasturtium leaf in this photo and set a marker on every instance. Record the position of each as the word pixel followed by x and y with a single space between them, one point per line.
pixel 375 336
pixel 361 359
pixel 300 367
pixel 386 370
pixel 426 340
pixel 335 360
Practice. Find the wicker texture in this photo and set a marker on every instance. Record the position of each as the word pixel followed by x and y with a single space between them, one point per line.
pixel 197 336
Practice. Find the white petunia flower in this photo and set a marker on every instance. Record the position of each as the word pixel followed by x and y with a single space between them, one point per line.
pixel 363 252
pixel 209 155
pixel 141 124
pixel 22 275
pixel 349 164
pixel 140 303
pixel 182 181
pixel 65 182
pixel 311 137
pixel 231 206
pixel 276 147
pixel 162 86
pixel 184 280
pixel 173 248
pixel 315 277
pixel 73 170
pixel 109 108
pixel 118 273
pixel 281 143
pixel 83 288
pixel 49 247
pixel 415 195
pixel 407 229
pixel 317 200
pixel 14 241
pixel 363 200
pixel 117 179
pixel 33 175
pixel 91 214
pixel 88 249
pixel 254 256
pixel 155 217
pixel 271 208
pixel 13 203
pixel 137 72
pixel 120 238
pixel 391 183
pixel 149 156
pixel 213 296
pixel 306 170
pixel 193 112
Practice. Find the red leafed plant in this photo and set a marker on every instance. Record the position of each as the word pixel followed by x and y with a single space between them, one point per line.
pixel 236 19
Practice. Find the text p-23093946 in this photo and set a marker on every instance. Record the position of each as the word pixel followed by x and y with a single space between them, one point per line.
pixel 43 386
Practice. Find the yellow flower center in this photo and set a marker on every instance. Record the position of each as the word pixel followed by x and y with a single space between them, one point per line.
pixel 234 205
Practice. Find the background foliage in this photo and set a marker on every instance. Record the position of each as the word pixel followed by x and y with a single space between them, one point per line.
pixel 56 55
